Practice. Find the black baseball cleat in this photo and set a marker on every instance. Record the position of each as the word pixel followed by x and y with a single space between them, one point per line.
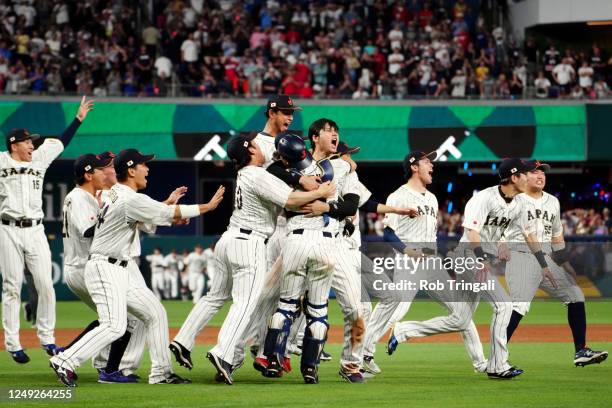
pixel 66 376
pixel 181 354
pixel 219 378
pixel 274 369
pixel 310 375
pixel 586 356
pixel 223 368
pixel 174 379
pixel 325 356
pixel 20 357
pixel 506 375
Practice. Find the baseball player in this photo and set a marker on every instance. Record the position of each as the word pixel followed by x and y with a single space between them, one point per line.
pixel 196 264
pixel 22 235
pixel 487 214
pixel 416 236
pixel 524 272
pixel 172 274
pixel 94 176
pixel 158 266
pixel 279 113
pixel 309 255
pixel 239 259
pixel 210 268
pixel 113 287
pixel 346 278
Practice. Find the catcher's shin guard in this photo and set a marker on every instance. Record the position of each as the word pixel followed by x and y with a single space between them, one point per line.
pixel 315 334
pixel 276 339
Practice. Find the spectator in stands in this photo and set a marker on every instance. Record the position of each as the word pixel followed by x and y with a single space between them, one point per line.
pixel 542 85
pixel 585 77
pixel 564 75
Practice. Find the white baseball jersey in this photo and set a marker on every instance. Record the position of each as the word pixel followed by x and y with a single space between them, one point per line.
pixel 118 221
pixel 157 263
pixel 80 213
pixel 258 200
pixel 488 213
pixel 540 216
pixel 346 183
pixel 21 183
pixel 196 262
pixel 265 142
pixel 171 262
pixel 416 230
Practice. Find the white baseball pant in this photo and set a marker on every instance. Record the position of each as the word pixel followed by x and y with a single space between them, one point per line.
pixel 240 265
pixel 115 291
pixel 21 247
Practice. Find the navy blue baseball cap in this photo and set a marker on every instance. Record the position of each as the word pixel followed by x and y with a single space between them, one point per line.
pixel 238 149
pixel 537 165
pixel 129 158
pixel 19 135
pixel 512 166
pixel 87 163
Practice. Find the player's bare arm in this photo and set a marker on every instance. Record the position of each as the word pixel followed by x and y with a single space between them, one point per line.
pixel 560 255
pixel 323 191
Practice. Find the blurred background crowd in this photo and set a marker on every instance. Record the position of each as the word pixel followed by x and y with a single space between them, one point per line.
pixel 310 49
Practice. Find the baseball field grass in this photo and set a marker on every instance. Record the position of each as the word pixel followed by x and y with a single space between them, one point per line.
pixel 419 374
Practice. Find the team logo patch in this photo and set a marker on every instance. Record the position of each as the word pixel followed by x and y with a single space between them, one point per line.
pixel 273 105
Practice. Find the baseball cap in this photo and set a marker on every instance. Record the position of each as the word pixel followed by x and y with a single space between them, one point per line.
pixel 87 163
pixel 107 155
pixel 19 135
pixel 416 155
pixel 129 158
pixel 344 148
pixel 281 102
pixel 238 148
pixel 511 166
pixel 537 165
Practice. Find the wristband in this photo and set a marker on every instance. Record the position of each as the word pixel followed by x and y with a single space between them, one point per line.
pixel 561 256
pixel 189 211
pixel 479 252
pixel 541 259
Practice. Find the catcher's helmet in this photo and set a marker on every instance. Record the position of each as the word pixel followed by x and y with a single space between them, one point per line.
pixel 292 148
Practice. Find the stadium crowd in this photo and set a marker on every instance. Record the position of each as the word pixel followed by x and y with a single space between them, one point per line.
pixel 310 49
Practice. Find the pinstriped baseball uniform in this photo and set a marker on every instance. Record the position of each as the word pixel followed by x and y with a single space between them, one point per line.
pixel 21 186
pixel 488 213
pixel 116 289
pixel 196 263
pixel 346 283
pixel 256 332
pixel 80 212
pixel 418 233
pixel 542 216
pixel 239 260
pixel 158 266
pixel 309 256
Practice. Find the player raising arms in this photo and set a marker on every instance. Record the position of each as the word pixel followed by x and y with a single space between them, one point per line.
pixel 524 273
pixel 240 255
pixel 24 244
pixel 111 285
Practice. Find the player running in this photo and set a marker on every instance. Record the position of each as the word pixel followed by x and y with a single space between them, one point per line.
pixel 113 286
pixel 417 237
pixel 524 272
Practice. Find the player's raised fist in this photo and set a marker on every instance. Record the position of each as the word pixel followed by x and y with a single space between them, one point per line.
pixel 84 108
